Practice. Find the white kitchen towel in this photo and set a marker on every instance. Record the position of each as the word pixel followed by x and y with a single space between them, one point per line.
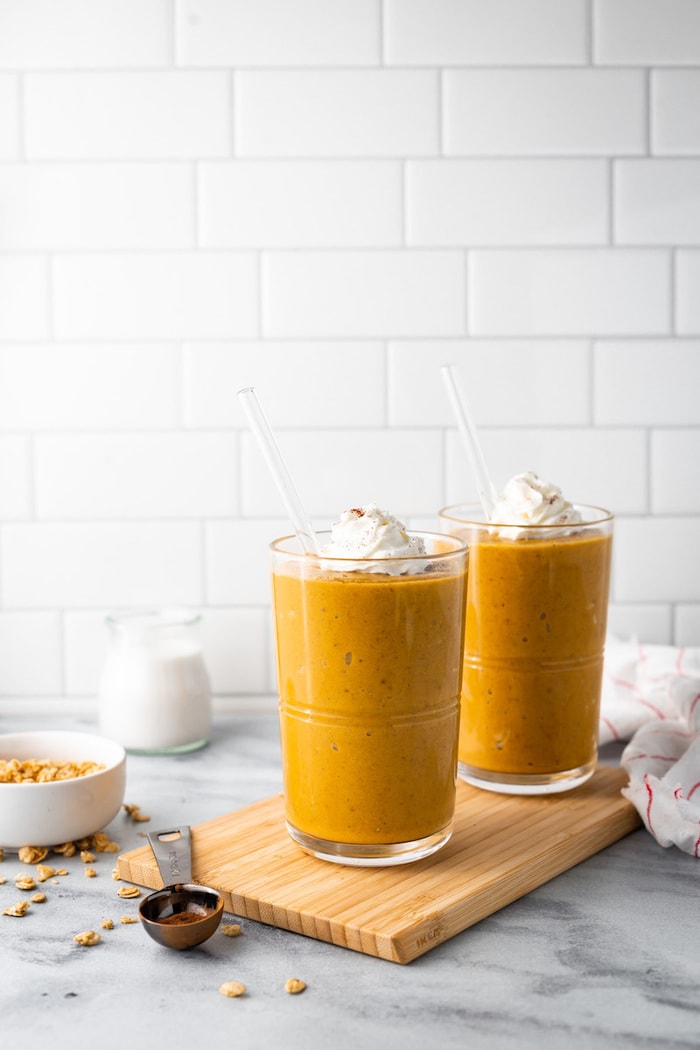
pixel 651 698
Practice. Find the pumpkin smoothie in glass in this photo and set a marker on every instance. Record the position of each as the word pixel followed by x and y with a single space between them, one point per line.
pixel 369 662
pixel 537 602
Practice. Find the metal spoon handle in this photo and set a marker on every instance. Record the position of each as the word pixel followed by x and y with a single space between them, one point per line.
pixel 171 848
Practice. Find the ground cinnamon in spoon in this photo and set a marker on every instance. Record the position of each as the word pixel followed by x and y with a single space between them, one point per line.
pixel 183 918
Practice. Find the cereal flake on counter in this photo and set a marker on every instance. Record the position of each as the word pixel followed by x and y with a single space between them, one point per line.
pixel 294 985
pixel 231 929
pixel 65 849
pixel 129 891
pixel 103 844
pixel 232 989
pixel 24 881
pixel 134 812
pixel 19 909
pixel 32 854
pixel 87 938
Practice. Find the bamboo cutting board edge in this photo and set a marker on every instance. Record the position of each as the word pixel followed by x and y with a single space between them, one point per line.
pixel 502 848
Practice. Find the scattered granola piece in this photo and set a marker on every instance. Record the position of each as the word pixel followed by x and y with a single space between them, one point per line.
pixel 129 891
pixel 115 875
pixel 294 986
pixel 231 929
pixel 135 813
pixel 87 938
pixel 107 924
pixel 103 844
pixel 86 856
pixel 24 881
pixel 38 898
pixel 61 871
pixel 90 873
pixel 44 872
pixel 232 989
pixel 32 854
pixel 127 920
pixel 19 909
pixel 3 880
pixel 66 849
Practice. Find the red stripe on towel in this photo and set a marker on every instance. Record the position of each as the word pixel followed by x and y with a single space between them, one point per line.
pixel 650 795
pixel 611 727
pixel 656 758
pixel 691 709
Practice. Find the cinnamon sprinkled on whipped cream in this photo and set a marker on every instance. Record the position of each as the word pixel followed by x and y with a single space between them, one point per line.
pixel 371 534
pixel 528 500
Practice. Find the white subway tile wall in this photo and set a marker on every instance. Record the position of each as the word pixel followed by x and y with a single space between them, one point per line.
pixel 675 112
pixel 544 112
pixel 84 34
pixel 647 32
pixel 566 291
pixel 363 294
pixel 126 115
pixel 687 287
pixel 327 200
pixel 9 117
pixel 61 207
pixel 337 113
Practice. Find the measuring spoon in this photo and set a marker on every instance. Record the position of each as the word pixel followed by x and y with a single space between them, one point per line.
pixel 182 914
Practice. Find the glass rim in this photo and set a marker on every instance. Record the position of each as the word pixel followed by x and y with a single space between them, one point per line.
pixel 478 517
pixel 460 546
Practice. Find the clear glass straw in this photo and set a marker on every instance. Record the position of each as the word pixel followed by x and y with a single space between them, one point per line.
pixel 275 461
pixel 467 428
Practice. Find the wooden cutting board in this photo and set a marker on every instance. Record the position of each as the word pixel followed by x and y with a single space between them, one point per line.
pixel 502 847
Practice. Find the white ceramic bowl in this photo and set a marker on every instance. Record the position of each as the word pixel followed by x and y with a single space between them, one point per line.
pixel 54 812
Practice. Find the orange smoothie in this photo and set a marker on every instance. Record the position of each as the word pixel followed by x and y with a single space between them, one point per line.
pixel 533 657
pixel 369 671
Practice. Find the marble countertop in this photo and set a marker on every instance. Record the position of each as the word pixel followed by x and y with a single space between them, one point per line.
pixel 605 955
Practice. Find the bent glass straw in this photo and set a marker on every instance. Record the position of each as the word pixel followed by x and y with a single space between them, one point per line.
pixel 275 461
pixel 467 428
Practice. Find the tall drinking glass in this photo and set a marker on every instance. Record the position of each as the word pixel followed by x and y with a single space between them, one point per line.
pixel 369 667
pixel 533 657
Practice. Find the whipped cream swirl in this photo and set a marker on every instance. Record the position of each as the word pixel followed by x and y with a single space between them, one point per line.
pixel 371 534
pixel 528 500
